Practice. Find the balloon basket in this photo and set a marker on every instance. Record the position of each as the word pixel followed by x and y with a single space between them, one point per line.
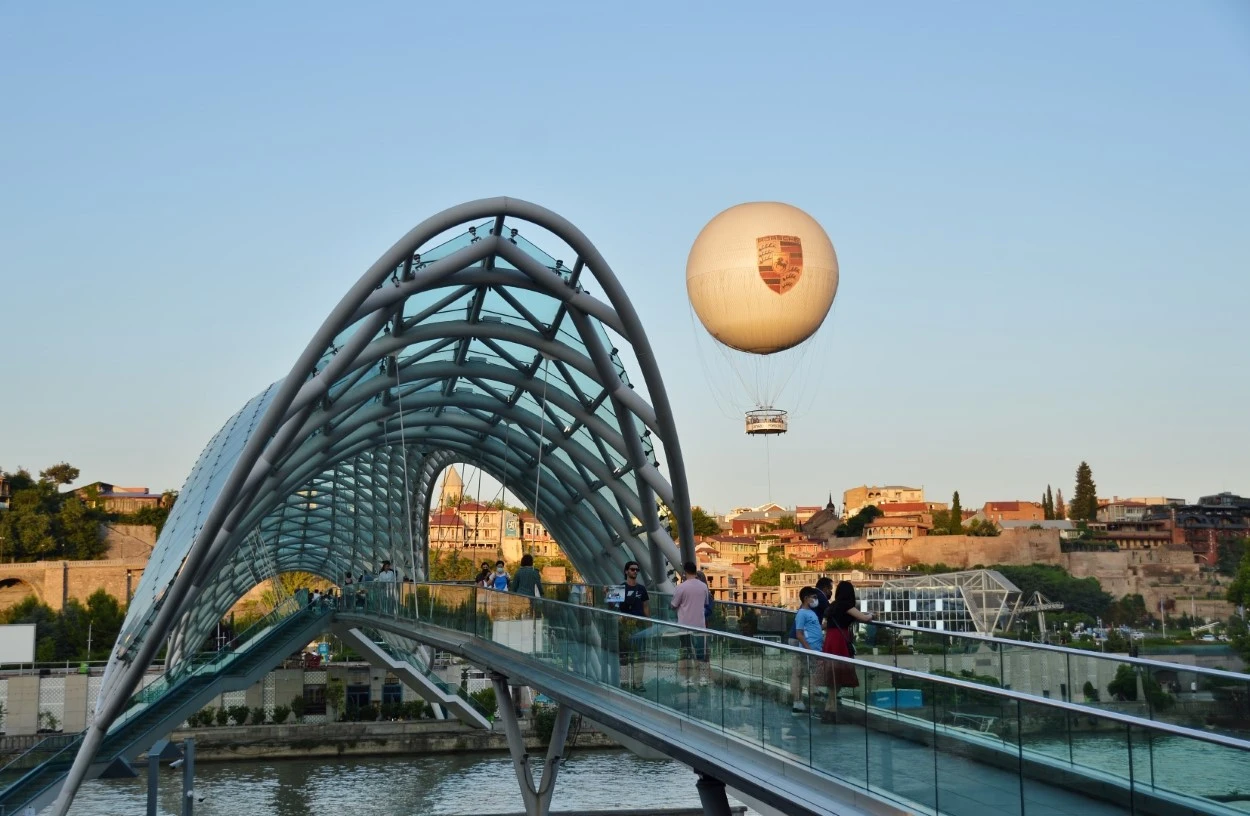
pixel 766 422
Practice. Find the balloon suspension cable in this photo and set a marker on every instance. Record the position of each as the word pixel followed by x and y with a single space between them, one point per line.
pixel 403 450
pixel 542 427
pixel 768 466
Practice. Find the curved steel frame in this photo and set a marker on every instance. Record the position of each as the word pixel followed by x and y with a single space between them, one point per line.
pixel 481 349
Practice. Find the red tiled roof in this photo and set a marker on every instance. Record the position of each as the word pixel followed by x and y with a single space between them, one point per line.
pixel 474 507
pixel 445 520
pixel 1010 507
pixel 895 522
pixel 903 507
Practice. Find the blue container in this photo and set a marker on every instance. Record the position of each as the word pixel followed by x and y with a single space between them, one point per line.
pixel 896 698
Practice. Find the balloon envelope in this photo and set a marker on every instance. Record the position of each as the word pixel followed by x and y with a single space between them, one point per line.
pixel 761 276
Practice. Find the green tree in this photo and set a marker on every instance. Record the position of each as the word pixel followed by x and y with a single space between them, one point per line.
pixel 31 610
pixel 1129 611
pixel 982 527
pixel 955 521
pixel 704 524
pixel 448 565
pixel 20 479
pixel 1079 595
pixel 1061 510
pixel 1230 554
pixel 1124 686
pixel 941 523
pixel 854 526
pixel 106 615
pixel 1239 589
pixel 770 574
pixel 62 473
pixel 80 531
pixel 1048 505
pixel 786 522
pixel 1084 505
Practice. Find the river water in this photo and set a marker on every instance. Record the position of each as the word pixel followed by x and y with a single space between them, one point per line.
pixel 475 784
pixel 448 785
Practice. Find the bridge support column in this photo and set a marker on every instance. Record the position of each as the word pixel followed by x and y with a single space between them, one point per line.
pixel 712 796
pixel 537 798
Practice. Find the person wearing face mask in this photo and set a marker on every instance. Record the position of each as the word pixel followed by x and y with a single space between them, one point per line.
pixel 500 579
pixel 807 635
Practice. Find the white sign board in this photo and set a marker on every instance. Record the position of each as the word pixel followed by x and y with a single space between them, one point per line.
pixel 17 643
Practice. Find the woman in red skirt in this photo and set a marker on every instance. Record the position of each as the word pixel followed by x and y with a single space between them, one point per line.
pixel 842 616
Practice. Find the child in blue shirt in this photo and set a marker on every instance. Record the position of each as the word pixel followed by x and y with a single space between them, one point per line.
pixel 808 635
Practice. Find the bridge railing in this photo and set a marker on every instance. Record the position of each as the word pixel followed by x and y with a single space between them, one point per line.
pixel 911 736
pixel 1193 696
pixel 206 663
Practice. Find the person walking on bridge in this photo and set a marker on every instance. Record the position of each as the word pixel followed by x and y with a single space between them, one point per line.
pixel 527 580
pixel 689 599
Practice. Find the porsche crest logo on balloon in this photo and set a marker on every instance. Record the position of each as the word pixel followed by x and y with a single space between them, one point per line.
pixel 781 261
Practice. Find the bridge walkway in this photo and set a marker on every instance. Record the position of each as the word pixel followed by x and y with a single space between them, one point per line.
pixel 907 740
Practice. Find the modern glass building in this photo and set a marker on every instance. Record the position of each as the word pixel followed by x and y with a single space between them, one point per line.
pixel 971 601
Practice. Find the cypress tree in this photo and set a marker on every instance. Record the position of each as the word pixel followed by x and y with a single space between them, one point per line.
pixel 1085 502
pixel 1061 510
pixel 1048 505
pixel 956 516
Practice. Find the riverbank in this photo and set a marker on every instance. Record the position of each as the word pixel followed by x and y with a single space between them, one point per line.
pixel 360 739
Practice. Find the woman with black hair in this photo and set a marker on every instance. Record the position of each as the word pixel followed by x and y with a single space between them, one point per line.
pixel 840 620
pixel 483 577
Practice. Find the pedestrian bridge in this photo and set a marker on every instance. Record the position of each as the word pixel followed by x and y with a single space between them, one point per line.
pixel 893 741
pixel 467 343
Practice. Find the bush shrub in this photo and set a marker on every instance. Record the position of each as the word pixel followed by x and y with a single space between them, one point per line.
pixel 298 706
pixel 544 721
pixel 485 699
pixel 258 715
pixel 280 713
pixel 222 716
pixel 239 714
pixel 1091 692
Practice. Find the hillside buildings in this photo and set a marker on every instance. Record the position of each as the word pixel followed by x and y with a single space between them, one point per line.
pixel 857 498
pixel 117 499
pixel 485 532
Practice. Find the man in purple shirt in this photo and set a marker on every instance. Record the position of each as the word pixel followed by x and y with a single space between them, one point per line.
pixel 689 599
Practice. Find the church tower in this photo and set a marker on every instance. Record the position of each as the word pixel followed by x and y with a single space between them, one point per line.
pixel 453 488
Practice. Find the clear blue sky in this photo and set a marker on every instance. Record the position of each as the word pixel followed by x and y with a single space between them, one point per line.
pixel 1041 213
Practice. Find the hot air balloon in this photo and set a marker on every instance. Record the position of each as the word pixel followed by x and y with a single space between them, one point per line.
pixel 761 278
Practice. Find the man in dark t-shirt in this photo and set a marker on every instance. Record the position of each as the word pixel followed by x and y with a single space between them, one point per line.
pixel 636 602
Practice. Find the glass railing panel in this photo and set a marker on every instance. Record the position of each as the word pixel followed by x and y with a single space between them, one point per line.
pixel 777 719
pixel 744 675
pixel 955 746
pixel 897 729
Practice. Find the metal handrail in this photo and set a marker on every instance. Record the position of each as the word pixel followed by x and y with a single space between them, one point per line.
pixel 1115 656
pixel 1011 694
pixel 1050 647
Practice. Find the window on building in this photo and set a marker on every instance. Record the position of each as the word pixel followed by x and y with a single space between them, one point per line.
pixel 315 699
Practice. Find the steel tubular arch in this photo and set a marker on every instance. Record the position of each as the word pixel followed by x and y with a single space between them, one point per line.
pixel 329 430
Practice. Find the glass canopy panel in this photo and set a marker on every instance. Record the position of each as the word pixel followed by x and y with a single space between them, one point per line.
pixel 196 498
